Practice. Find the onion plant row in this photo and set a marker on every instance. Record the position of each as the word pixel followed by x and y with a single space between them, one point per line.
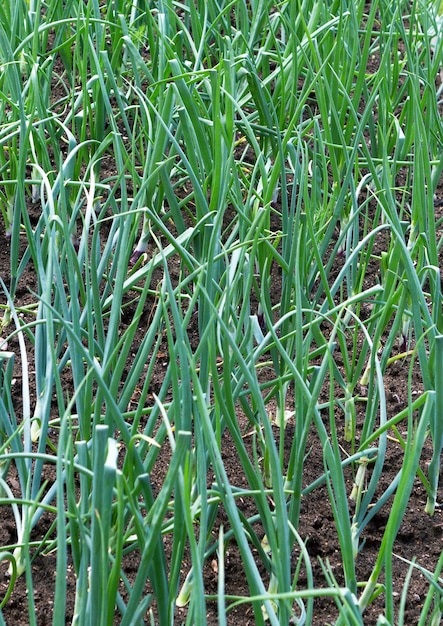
pixel 262 174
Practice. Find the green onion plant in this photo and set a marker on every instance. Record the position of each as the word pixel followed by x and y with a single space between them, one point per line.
pixel 261 176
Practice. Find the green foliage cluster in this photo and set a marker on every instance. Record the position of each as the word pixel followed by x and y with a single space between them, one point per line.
pixel 241 141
